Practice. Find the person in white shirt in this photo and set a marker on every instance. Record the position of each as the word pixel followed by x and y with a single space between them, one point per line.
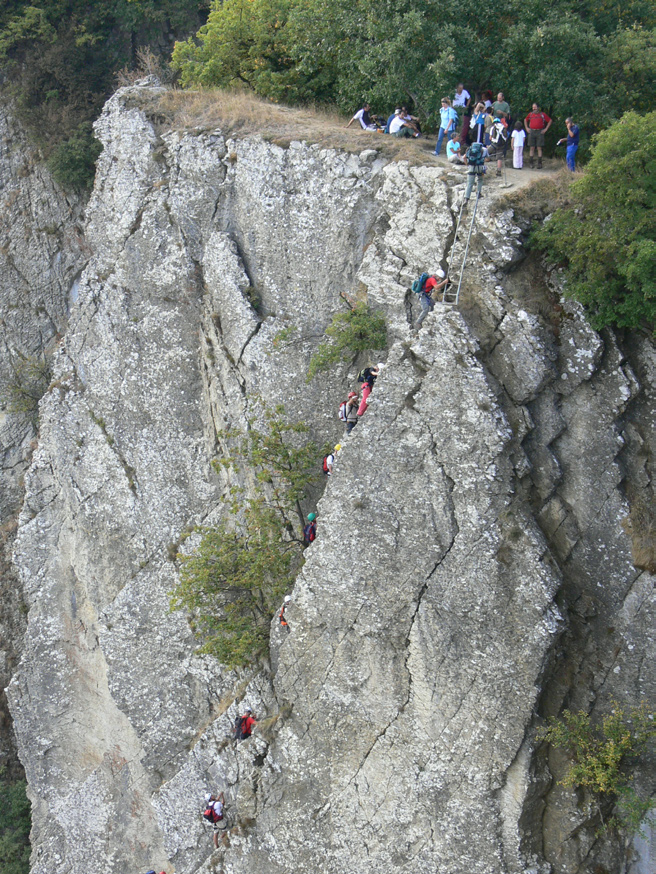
pixel 364 118
pixel 462 96
pixel 399 127
pixel 517 139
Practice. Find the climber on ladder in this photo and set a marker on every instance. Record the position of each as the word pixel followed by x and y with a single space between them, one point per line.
pixel 475 157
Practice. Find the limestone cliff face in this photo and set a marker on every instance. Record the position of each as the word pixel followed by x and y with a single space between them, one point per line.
pixel 41 252
pixel 474 568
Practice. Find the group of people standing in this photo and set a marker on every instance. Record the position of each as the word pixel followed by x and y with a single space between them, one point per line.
pixel 485 121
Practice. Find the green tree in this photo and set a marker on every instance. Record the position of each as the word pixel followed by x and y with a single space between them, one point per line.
pixel 59 59
pixel 243 566
pixel 350 333
pixel 607 237
pixel 601 756
pixel 15 820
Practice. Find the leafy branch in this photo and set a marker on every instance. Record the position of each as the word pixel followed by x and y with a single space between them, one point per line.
pixel 234 581
pixel 358 330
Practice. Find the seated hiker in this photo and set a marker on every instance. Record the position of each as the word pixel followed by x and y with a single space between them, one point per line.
pixel 475 158
pixel 348 411
pixel 453 150
pixel 244 724
pixel 411 120
pixel 400 128
pixel 396 112
pixel 366 121
pixel 281 614
pixel 426 287
pixel 214 813
pixel 310 530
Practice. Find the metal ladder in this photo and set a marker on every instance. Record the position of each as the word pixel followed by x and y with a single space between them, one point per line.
pixel 450 297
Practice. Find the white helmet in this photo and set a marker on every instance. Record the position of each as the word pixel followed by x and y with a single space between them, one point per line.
pixel 440 273
pixel 208 796
pixel 287 599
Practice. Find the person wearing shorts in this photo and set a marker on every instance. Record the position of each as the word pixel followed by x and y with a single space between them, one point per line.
pixel 537 123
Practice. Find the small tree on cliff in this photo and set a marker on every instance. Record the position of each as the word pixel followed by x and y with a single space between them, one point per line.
pixel 243 566
pixel 350 333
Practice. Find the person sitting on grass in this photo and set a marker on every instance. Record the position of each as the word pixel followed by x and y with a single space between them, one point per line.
pixel 366 121
pixel 453 150
pixel 400 128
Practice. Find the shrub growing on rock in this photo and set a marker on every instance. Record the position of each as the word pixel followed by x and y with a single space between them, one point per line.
pixel 236 578
pixel 358 330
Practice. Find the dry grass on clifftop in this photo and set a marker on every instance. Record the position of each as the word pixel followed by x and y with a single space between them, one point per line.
pixel 241 113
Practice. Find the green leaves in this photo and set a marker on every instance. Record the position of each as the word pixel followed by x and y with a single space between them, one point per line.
pixel 607 237
pixel 601 754
pixel 15 821
pixel 233 582
pixel 358 330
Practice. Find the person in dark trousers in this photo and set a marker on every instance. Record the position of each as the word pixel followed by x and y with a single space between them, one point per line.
pixel 572 143
pixel 350 407
pixel 310 530
pixel 244 724
pixel 537 123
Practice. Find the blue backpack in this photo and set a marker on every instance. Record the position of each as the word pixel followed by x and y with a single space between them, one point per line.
pixel 418 284
pixel 475 155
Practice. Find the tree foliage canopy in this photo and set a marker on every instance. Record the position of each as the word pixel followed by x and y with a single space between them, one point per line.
pixel 15 820
pixel 60 58
pixel 233 582
pixel 350 333
pixel 607 237
pixel 566 54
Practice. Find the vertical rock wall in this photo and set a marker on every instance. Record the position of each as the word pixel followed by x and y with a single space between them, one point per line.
pixel 473 552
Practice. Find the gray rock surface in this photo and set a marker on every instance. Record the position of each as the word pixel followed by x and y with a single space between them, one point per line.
pixel 475 568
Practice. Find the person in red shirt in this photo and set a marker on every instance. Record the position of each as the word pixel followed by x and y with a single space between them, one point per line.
pixel 248 721
pixel 537 123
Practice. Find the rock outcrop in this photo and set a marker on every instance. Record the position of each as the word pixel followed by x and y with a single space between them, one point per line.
pixel 476 563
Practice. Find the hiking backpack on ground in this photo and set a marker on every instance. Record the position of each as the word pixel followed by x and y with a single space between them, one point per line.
pixel 418 286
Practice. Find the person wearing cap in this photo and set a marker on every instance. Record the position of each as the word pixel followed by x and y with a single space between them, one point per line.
pixel 396 112
pixel 434 283
pixel 351 411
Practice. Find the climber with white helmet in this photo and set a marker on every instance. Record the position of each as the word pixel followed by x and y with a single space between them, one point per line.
pixel 434 283
pixel 214 814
